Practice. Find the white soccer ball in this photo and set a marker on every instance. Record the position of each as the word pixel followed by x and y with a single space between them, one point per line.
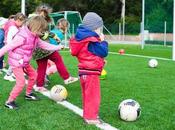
pixel 153 63
pixel 58 93
pixel 129 110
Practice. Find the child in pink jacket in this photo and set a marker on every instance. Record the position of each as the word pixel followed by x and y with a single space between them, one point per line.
pixel 20 54
pixel 11 27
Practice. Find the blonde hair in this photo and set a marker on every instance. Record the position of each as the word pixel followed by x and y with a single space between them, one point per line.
pixel 44 10
pixel 63 24
pixel 37 25
pixel 20 16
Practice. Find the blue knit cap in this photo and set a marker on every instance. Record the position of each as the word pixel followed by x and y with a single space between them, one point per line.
pixel 92 21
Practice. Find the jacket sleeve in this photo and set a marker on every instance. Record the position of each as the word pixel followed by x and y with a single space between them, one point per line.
pixel 47 46
pixel 11 33
pixel 16 42
pixel 74 47
pixel 98 48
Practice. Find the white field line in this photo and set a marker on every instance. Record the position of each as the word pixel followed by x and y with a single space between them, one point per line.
pixel 141 56
pixel 79 111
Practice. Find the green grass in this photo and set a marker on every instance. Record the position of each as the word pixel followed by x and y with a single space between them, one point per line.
pixel 128 77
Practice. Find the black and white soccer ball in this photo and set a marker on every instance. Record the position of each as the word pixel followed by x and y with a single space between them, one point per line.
pixel 129 110
pixel 153 63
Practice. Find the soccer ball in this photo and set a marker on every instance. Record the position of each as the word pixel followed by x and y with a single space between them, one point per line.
pixel 129 110
pixel 103 74
pixel 153 63
pixel 121 51
pixel 58 93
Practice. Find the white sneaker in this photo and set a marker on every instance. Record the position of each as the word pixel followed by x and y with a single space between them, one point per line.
pixel 70 80
pixel 9 78
pixel 39 89
pixel 4 70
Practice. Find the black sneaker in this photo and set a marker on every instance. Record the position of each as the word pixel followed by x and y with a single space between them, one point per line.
pixel 31 96
pixel 11 105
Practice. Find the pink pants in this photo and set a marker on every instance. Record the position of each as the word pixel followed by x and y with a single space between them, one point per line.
pixel 42 65
pixel 20 81
pixel 90 95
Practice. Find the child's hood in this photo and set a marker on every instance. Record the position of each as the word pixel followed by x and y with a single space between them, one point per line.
pixel 83 33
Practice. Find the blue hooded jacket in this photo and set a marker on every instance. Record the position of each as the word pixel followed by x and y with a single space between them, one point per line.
pixel 97 48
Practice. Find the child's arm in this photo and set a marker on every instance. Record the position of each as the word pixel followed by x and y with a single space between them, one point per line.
pixel 44 45
pixel 17 41
pixel 99 48
pixel 11 33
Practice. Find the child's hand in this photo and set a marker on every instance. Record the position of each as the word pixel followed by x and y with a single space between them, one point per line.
pixel 57 39
pixel 61 47
pixel 102 37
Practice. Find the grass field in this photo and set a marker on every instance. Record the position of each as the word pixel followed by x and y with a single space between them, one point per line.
pixel 128 77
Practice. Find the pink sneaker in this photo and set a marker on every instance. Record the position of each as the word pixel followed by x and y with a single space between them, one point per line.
pixel 40 89
pixel 93 122
pixel 70 80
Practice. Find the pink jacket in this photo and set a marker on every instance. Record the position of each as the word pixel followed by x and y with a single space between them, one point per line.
pixel 22 47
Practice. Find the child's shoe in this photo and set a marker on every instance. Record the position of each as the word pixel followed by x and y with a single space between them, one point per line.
pixel 9 78
pixel 40 89
pixel 70 80
pixel 11 105
pixel 93 122
pixel 4 70
pixel 31 96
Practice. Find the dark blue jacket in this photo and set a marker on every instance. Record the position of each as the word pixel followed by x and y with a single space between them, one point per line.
pixel 1 38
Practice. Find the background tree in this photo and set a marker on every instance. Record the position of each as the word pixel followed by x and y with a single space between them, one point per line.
pixel 156 11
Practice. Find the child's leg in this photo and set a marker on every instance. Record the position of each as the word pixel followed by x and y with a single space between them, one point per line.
pixel 1 62
pixel 61 68
pixel 41 71
pixel 20 83
pixel 51 68
pixel 30 71
pixel 1 65
pixel 9 71
pixel 91 96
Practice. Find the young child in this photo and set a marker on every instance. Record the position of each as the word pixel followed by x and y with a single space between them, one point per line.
pixel 11 28
pixel 1 45
pixel 42 56
pixel 59 31
pixel 2 35
pixel 89 47
pixel 20 54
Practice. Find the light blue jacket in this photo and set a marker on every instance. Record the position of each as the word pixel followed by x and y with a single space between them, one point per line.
pixel 58 33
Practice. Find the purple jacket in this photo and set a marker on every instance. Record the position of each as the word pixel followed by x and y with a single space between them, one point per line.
pixel 22 46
